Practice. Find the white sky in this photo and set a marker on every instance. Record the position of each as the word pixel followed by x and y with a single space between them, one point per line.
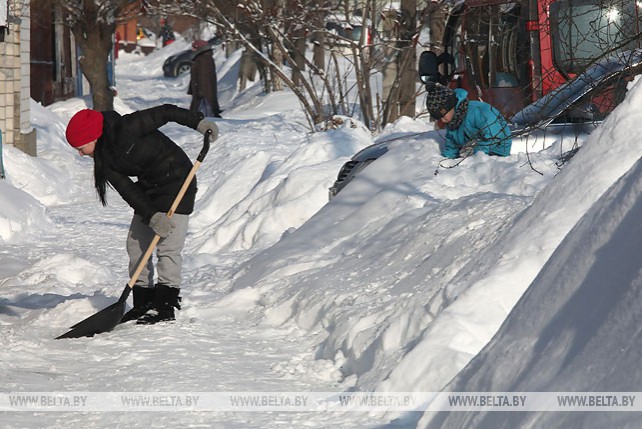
pixel 395 285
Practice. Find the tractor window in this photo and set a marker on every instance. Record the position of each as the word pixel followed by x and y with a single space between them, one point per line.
pixel 583 30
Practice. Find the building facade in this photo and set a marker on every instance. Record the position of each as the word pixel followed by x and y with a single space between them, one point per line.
pixel 54 69
pixel 15 118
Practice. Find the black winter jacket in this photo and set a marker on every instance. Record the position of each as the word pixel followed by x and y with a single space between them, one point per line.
pixel 203 81
pixel 132 146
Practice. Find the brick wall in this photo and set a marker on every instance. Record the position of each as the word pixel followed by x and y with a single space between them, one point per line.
pixel 15 121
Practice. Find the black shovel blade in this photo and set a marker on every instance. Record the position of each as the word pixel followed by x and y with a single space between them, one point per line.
pixel 103 321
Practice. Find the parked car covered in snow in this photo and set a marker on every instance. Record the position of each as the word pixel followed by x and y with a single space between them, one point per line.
pixel 181 63
pixel 577 107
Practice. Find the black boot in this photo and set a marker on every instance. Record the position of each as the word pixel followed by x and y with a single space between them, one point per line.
pixel 165 301
pixel 143 302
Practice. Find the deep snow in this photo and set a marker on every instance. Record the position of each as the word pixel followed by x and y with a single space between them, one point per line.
pixel 394 285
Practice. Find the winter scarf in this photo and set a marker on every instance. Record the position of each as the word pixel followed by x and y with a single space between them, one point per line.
pixel 460 114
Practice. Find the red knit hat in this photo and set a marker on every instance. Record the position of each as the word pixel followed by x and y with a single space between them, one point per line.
pixel 84 127
pixel 197 44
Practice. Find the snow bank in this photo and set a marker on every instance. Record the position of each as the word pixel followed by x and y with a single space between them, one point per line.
pixel 582 311
pixel 52 177
pixel 509 265
pixel 21 215
pixel 405 276
pixel 263 189
pixel 369 271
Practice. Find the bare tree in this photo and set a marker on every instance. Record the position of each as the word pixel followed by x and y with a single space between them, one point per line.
pixel 390 36
pixel 93 24
pixel 407 62
pixel 317 18
pixel 274 35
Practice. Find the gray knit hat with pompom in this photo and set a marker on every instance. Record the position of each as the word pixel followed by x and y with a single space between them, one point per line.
pixel 439 100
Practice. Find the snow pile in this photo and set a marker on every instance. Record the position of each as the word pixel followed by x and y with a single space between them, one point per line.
pixel 21 216
pixel 593 322
pixel 266 187
pixel 406 276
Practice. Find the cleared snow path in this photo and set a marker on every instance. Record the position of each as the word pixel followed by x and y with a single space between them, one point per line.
pixel 211 350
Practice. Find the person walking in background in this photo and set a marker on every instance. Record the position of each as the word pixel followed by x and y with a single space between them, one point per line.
pixel 166 33
pixel 132 146
pixel 471 126
pixel 203 81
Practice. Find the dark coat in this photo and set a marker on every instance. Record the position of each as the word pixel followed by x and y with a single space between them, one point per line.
pixel 167 34
pixel 132 146
pixel 203 82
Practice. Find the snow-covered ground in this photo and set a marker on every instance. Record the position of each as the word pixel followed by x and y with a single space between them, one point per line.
pixel 396 285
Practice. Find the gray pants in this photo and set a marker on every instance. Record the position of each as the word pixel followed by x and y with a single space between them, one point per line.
pixel 168 252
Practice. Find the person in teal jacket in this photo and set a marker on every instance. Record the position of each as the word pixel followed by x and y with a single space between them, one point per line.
pixel 471 126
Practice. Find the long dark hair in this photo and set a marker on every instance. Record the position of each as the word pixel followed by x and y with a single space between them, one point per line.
pixel 100 178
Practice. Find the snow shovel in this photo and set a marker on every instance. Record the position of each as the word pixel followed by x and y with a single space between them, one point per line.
pixel 107 319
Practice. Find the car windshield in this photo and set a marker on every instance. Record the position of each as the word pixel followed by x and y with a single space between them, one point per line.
pixel 356 33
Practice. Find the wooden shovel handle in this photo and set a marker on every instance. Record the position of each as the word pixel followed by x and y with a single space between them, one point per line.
pixel 172 209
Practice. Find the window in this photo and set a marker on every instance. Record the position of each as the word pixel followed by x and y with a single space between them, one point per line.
pixel 491 44
pixel 583 30
pixel 4 13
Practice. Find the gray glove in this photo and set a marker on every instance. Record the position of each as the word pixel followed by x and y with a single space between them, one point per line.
pixel 206 125
pixel 161 224
pixel 468 149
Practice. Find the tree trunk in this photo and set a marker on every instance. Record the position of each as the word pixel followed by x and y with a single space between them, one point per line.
pixel 247 69
pixel 318 37
pixel 299 54
pixel 96 46
pixel 277 58
pixel 389 93
pixel 407 62
pixel 230 47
